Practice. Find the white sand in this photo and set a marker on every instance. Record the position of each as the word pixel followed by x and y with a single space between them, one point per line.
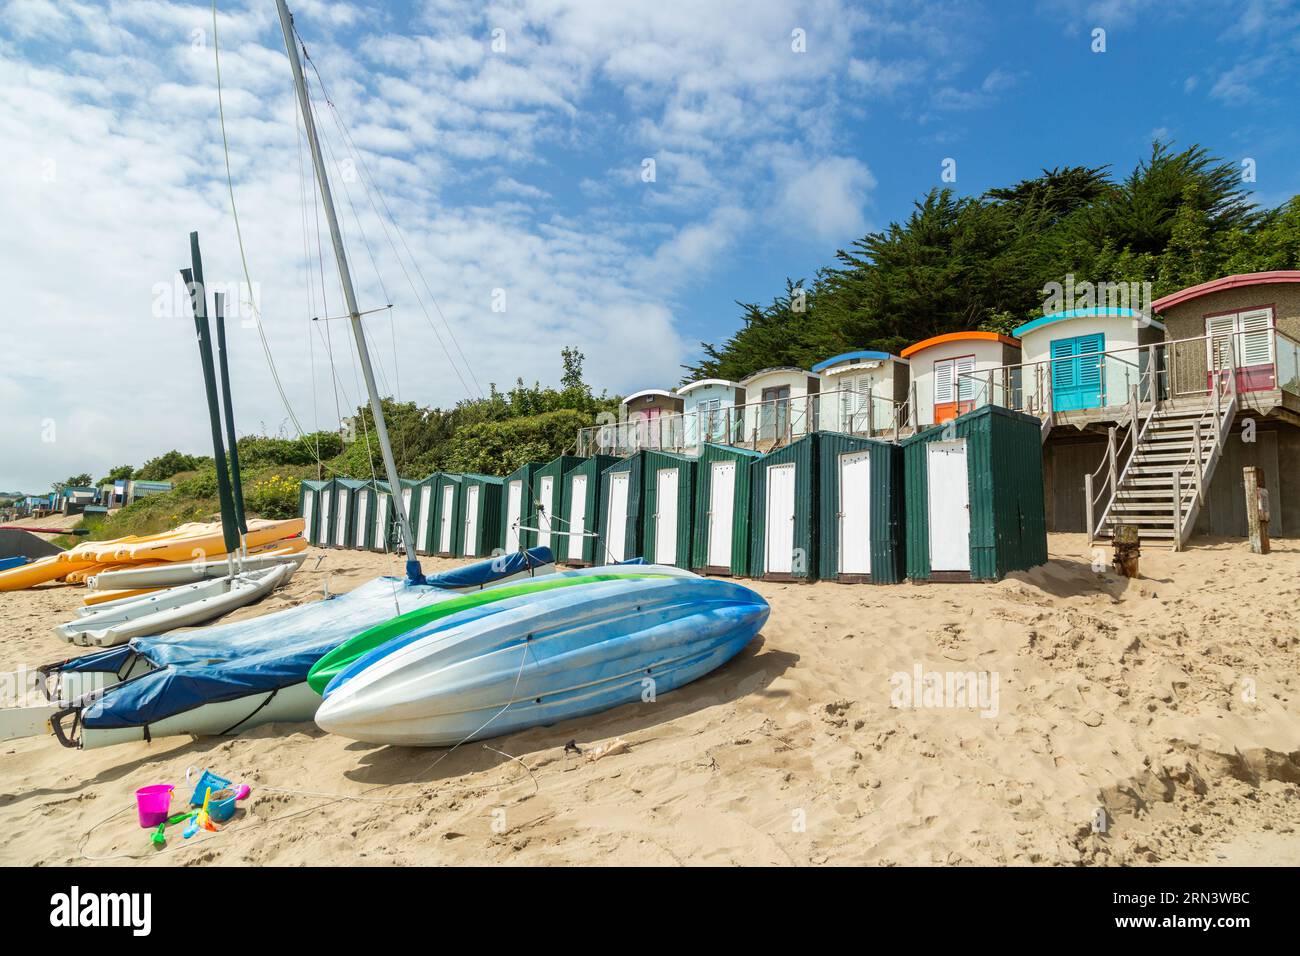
pixel 1128 699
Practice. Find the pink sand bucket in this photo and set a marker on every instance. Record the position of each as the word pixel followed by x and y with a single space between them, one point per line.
pixel 153 804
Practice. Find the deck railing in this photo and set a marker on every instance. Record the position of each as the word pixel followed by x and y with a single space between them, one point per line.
pixel 761 426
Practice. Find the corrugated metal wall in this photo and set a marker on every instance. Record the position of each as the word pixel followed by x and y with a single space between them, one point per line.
pixel 457 524
pixel 591 468
pixel 311 489
pixel 350 487
pixel 886 506
pixel 740 530
pixel 558 469
pixel 803 454
pixel 656 461
pixel 422 523
pixel 634 467
pixel 1004 463
pixel 527 506
pixel 487 524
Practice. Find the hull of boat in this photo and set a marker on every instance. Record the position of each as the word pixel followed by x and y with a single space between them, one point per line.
pixel 541 659
pixel 172 575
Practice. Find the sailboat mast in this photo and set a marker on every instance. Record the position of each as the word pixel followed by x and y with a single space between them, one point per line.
pixel 413 571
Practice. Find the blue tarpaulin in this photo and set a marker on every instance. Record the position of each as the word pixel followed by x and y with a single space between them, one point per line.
pixel 485 572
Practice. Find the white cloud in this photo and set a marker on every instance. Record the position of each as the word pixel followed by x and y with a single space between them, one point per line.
pixel 824 199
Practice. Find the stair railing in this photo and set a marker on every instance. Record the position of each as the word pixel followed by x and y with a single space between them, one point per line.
pixel 1135 426
pixel 1222 410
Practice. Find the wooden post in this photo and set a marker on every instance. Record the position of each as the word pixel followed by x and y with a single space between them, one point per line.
pixel 1178 511
pixel 1127 544
pixel 1256 509
pixel 1087 494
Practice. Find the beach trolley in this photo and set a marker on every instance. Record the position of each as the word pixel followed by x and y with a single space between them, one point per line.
pixel 783 515
pixel 973 497
pixel 480 514
pixel 549 485
pixel 517 498
pixel 343 491
pixel 859 510
pixel 580 512
pixel 446 515
pixel 720 542
pixel 622 494
pixel 422 513
pixel 668 508
pixel 309 497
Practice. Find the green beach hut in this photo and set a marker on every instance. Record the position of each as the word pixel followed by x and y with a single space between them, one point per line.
pixel 974 497
pixel 580 520
pixel 783 516
pixel 860 510
pixel 622 494
pixel 447 515
pixel 549 485
pixel 720 539
pixel 309 508
pixel 480 515
pixel 668 508
pixel 422 518
pixel 518 509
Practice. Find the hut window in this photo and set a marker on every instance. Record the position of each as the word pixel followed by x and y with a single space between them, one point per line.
pixel 949 385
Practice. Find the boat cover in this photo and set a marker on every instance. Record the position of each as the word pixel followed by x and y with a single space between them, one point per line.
pixel 229 661
pixel 486 572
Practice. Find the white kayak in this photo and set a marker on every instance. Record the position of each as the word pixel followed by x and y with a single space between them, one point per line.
pixel 170 575
pixel 173 608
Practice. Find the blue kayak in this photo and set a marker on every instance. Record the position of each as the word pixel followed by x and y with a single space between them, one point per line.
pixel 538 659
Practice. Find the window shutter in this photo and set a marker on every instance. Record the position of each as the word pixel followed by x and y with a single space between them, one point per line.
pixel 965 386
pixel 1220 329
pixel 1256 342
pixel 943 381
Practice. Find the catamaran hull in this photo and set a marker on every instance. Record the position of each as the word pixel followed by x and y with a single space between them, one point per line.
pixel 570 654
pixel 170 575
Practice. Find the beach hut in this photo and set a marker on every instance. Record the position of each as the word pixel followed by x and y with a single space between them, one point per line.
pixel 517 507
pixel 651 419
pixel 549 485
pixel 447 515
pixel 480 515
pixel 860 510
pixel 958 371
pixel 783 515
pixel 720 536
pixel 343 492
pixel 862 392
pixel 668 508
pixel 710 412
pixel 366 507
pixel 781 404
pixel 309 509
pixel 622 496
pixel 422 518
pixel 581 511
pixel 973 497
pixel 1065 367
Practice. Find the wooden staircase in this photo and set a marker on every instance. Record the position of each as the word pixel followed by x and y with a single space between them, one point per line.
pixel 1158 466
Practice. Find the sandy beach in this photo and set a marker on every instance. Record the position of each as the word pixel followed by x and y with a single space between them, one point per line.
pixel 1124 722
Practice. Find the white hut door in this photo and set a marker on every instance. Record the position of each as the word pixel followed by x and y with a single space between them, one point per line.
pixel 949 505
pixel 722 505
pixel 422 536
pixel 341 522
pixel 616 539
pixel 855 513
pixel 471 521
pixel 308 506
pixel 406 506
pixel 545 504
pixel 780 519
pixel 323 535
pixel 514 505
pixel 444 520
pixel 363 511
pixel 577 515
pixel 381 522
pixel 666 516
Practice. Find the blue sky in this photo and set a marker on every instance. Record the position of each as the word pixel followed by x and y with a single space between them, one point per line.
pixel 516 175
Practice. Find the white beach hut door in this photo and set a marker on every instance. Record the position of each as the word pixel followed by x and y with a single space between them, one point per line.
pixel 577 516
pixel 514 505
pixel 309 506
pixel 779 553
pixel 545 505
pixel 422 536
pixel 323 535
pixel 381 522
pixel 666 516
pixel 949 509
pixel 363 513
pixel 855 513
pixel 616 540
pixel 341 522
pixel 445 519
pixel 471 521
pixel 722 504
pixel 406 505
